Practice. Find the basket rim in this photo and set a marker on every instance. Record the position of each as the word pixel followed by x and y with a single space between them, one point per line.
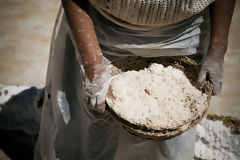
pixel 162 133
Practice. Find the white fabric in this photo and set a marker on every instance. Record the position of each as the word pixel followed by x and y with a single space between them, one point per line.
pixel 148 13
pixel 90 135
pixel 182 38
pixel 64 106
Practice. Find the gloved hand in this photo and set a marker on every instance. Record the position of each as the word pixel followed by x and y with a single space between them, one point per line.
pixel 212 69
pixel 97 89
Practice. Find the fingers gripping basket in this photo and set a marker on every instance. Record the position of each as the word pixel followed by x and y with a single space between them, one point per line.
pixel 189 67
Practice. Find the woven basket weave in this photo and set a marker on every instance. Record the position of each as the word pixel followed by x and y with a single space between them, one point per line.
pixel 190 69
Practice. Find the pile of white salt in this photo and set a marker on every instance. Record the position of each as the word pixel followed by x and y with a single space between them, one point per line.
pixel 157 97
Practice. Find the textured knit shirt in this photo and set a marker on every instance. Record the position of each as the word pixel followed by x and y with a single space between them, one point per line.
pixel 148 13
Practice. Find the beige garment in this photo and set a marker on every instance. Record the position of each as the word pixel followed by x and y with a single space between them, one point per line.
pixel 148 13
pixel 71 130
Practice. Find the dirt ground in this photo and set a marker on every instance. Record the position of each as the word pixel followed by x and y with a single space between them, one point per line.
pixel 3 156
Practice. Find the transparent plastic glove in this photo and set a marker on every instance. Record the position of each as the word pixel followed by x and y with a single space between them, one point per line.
pixel 212 70
pixel 97 89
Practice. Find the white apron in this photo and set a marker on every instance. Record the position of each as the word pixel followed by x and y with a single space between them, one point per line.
pixel 71 131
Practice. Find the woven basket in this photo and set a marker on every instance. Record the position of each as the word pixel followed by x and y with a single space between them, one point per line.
pixel 190 69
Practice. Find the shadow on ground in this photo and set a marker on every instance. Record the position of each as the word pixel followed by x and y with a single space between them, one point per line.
pixel 20 120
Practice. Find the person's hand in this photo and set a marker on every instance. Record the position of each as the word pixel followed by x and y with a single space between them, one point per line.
pixel 212 69
pixel 97 89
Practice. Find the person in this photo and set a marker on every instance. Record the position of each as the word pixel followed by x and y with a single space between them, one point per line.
pixel 88 35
